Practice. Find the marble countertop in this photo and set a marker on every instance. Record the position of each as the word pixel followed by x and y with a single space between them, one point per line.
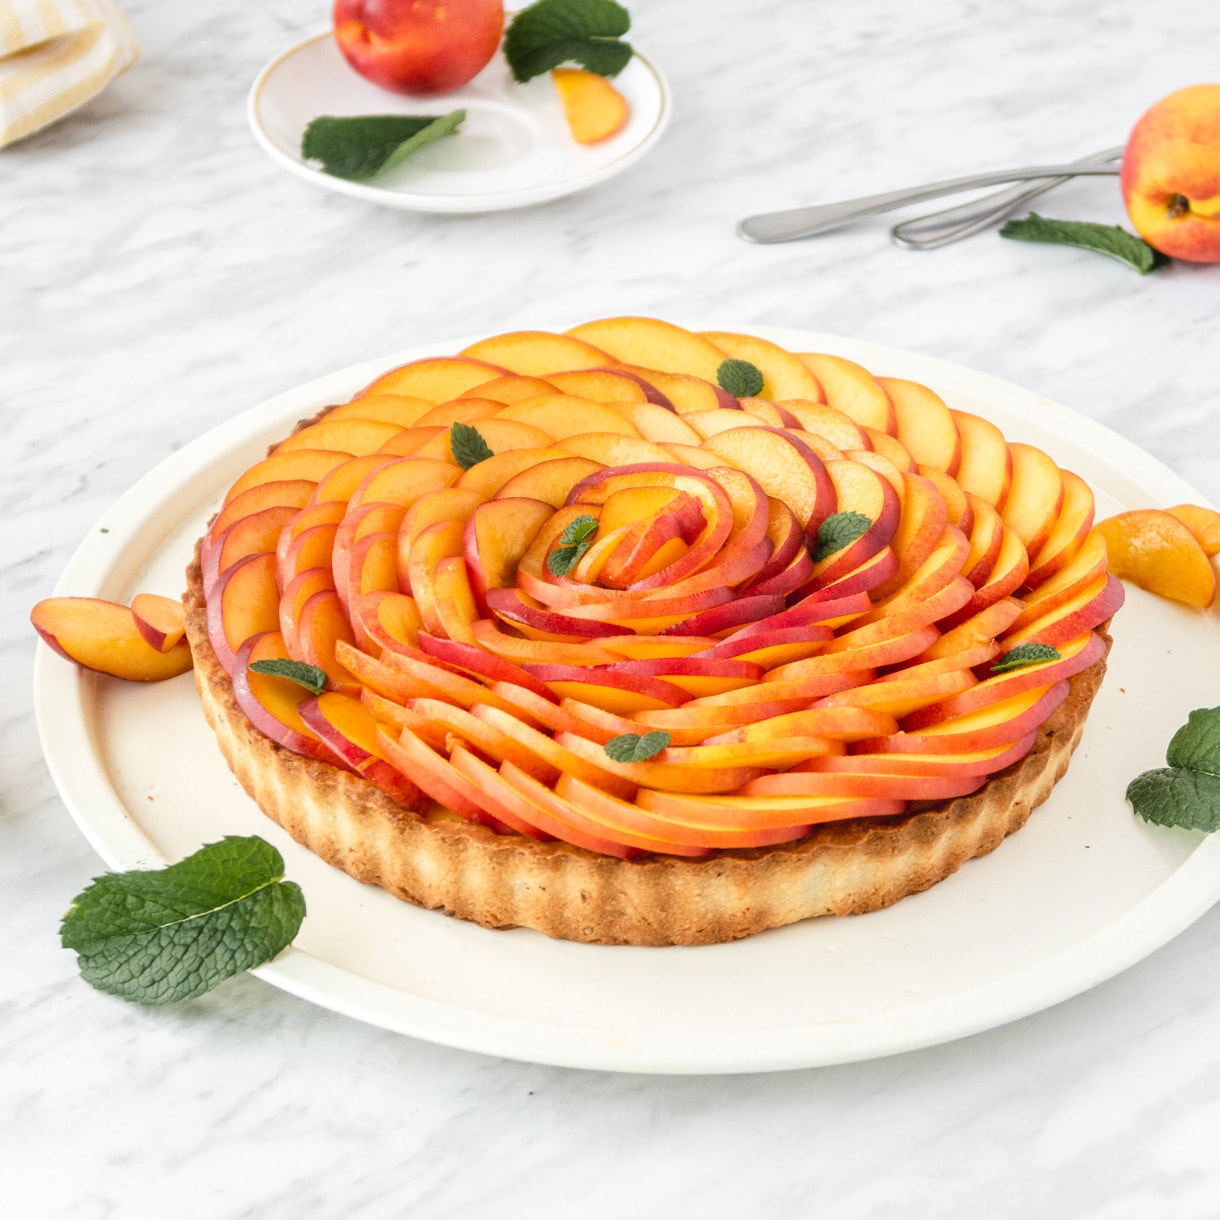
pixel 160 275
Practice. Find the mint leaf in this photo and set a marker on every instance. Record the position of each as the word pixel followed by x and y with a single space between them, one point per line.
pixel 837 531
pixel 468 446
pixel 579 529
pixel 1174 796
pixel 156 936
pixel 1187 792
pixel 1023 655
pixel 1105 239
pixel 554 32
pixel 740 377
pixel 309 676
pixel 634 747
pixel 365 145
pixel 576 539
pixel 1196 745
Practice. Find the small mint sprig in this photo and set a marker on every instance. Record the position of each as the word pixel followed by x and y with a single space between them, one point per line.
pixel 467 445
pixel 362 146
pixel 160 935
pixel 309 676
pixel 576 539
pixel 838 531
pixel 740 378
pixel 636 747
pixel 554 32
pixel 1023 655
pixel 1104 239
pixel 1186 793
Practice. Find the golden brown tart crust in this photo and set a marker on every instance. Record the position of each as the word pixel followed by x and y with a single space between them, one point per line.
pixel 439 861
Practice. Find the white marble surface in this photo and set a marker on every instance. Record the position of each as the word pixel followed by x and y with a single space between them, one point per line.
pixel 158 275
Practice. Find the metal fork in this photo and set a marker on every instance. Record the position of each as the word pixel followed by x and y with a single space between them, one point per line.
pixel 945 227
pixel 795 223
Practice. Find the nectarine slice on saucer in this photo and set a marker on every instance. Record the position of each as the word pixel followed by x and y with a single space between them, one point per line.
pixel 103 636
pixel 535 353
pixel 160 620
pixel 1158 552
pixel 1204 523
pixel 852 389
pixel 651 343
pixel 593 108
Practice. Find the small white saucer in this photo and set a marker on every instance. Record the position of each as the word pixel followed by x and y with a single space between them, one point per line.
pixel 514 148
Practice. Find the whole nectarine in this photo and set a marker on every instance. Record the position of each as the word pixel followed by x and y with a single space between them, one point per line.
pixel 1171 175
pixel 421 47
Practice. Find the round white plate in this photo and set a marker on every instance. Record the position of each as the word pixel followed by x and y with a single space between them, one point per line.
pixel 513 149
pixel 1083 891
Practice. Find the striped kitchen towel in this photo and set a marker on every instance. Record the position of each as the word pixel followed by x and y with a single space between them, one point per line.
pixel 54 56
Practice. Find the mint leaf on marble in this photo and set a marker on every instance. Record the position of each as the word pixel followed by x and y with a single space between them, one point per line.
pixel 362 146
pixel 161 935
pixel 1187 792
pixel 554 32
pixel 1105 239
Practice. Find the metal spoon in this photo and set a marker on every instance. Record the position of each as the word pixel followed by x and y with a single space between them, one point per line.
pixel 952 224
pixel 806 222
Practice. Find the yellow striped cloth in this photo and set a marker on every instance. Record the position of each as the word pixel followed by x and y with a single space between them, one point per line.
pixel 54 56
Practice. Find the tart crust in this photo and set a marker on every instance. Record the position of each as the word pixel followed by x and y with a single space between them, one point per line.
pixel 439 861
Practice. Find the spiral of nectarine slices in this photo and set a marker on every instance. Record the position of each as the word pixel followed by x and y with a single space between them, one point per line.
pixel 802 593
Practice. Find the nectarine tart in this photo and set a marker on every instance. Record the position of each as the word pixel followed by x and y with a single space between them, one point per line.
pixel 638 635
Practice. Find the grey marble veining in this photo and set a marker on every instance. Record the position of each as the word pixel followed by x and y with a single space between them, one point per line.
pixel 158 275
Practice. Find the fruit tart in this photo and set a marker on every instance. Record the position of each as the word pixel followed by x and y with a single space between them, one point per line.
pixel 638 635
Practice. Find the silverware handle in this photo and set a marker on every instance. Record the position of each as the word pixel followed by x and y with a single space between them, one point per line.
pixel 806 222
pixel 952 224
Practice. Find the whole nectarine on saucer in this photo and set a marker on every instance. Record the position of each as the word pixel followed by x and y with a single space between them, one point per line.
pixel 1171 175
pixel 420 47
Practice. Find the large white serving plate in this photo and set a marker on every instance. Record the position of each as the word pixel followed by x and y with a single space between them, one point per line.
pixel 514 148
pixel 1083 892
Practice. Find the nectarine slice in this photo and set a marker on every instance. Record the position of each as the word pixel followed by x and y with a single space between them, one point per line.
pixel 594 109
pixel 1204 523
pixel 535 353
pixel 1157 551
pixel 160 620
pixel 852 389
pixel 103 636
